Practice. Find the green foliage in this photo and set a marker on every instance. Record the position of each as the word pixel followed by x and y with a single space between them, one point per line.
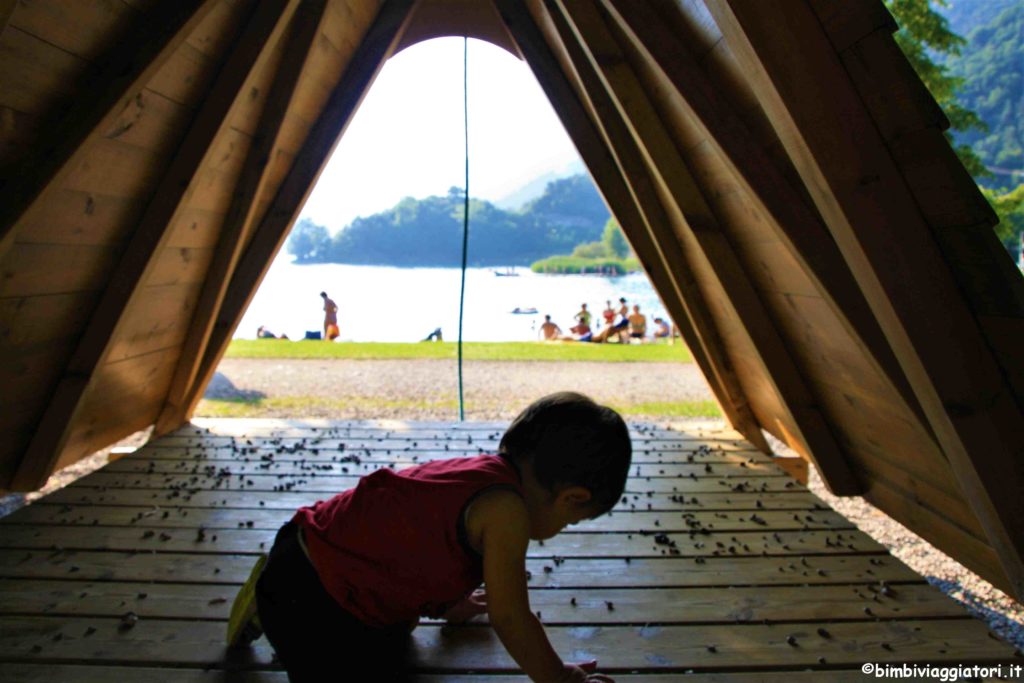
pixel 428 232
pixel 992 83
pixel 614 241
pixel 591 250
pixel 309 241
pixel 923 33
pixel 1009 206
pixel 575 265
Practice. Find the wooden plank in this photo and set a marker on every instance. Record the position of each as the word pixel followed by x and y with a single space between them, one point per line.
pixel 790 219
pixel 361 454
pixel 238 222
pixel 353 465
pixel 654 648
pixel 136 61
pixel 569 544
pixel 613 166
pixel 68 598
pixel 111 416
pixel 28 271
pixel 181 266
pixel 35 74
pixel 239 466
pixel 938 527
pixel 661 572
pixel 27 368
pixel 771 500
pixel 42 512
pixel 376 45
pixel 153 329
pixel 53 428
pixel 18 131
pixel 80 217
pixel 848 22
pixel 25 321
pixel 402 438
pixel 662 158
pixel 946 193
pixel 86 29
pixel 879 228
pixel 256 483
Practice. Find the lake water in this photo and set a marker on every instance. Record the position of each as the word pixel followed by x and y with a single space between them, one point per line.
pixel 380 303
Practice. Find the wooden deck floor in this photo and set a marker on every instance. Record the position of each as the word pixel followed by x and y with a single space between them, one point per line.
pixel 715 562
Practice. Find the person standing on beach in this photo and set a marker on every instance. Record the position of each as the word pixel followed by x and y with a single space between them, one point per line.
pixel 637 323
pixel 331 331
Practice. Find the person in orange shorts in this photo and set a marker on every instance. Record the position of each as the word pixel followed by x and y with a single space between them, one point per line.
pixel 331 331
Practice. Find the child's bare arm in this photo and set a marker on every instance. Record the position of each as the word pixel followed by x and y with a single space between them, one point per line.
pixel 504 536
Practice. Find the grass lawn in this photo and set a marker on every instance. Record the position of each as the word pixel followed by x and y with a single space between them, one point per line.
pixel 518 351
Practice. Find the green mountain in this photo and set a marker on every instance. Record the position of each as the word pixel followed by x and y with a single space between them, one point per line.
pixel 991 65
pixel 966 15
pixel 428 232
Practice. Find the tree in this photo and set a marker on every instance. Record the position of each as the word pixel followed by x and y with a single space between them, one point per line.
pixel 309 242
pixel 614 241
pixel 922 29
pixel 1009 206
pixel 591 250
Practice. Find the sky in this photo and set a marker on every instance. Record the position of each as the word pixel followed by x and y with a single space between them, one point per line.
pixel 407 140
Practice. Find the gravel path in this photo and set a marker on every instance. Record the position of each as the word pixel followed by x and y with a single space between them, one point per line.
pixel 493 390
pixel 426 390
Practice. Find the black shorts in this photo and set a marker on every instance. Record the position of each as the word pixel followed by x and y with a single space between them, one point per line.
pixel 314 638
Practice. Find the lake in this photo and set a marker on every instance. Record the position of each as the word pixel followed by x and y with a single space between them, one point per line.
pixel 382 303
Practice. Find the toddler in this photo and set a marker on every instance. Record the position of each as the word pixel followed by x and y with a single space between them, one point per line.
pixel 347 579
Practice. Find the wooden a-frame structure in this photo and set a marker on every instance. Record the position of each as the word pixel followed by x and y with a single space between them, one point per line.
pixel 778 167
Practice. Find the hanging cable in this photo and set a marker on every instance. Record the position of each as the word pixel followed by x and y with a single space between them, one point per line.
pixel 465 210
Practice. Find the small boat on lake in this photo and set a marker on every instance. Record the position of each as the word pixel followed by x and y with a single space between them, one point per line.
pixel 509 272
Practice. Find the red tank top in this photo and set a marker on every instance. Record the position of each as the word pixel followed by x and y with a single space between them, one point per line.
pixel 390 550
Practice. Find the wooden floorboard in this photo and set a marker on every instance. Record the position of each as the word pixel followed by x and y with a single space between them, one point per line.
pixel 714 561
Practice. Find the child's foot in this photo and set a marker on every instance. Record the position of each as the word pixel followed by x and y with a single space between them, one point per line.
pixel 244 623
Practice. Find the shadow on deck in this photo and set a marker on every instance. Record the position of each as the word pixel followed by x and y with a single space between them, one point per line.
pixel 715 562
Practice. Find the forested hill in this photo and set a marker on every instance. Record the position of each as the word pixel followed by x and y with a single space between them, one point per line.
pixel 428 232
pixel 991 65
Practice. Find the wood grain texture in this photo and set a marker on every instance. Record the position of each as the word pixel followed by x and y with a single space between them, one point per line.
pixel 730 603
pixel 878 226
pixel 135 261
pixel 704 240
pixel 377 43
pixel 619 174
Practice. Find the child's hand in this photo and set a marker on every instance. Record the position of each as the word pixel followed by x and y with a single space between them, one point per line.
pixel 584 673
pixel 468 607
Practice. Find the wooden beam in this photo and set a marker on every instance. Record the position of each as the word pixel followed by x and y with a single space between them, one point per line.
pixel 7 8
pixel 116 83
pixel 304 28
pixel 792 222
pixel 661 155
pixel 374 49
pixel 638 213
pixel 874 219
pixel 145 245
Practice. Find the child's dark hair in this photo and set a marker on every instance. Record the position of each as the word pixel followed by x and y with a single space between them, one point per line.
pixel 570 440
